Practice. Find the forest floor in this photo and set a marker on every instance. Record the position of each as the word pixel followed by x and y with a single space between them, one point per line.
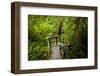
pixel 55 52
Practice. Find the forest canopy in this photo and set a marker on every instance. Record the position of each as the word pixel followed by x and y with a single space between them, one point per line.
pixel 71 31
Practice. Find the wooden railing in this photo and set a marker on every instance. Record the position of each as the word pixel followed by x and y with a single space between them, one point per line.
pixel 63 52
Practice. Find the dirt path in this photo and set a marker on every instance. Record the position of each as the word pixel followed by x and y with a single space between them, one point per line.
pixel 55 52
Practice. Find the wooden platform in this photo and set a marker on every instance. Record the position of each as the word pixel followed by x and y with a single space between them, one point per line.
pixel 55 52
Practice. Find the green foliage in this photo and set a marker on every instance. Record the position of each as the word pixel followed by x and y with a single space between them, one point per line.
pixel 76 36
pixel 72 31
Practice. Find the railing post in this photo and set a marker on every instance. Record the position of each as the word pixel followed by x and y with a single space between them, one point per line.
pixel 56 41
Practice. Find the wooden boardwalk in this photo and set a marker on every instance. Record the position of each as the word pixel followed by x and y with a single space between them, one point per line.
pixel 55 52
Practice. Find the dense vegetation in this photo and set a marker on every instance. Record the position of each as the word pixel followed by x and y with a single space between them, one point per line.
pixel 72 31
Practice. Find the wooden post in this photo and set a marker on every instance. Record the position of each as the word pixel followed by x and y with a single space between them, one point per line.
pixel 56 41
pixel 49 42
pixel 49 46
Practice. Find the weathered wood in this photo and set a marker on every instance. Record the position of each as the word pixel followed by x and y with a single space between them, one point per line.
pixel 50 40
pixel 55 52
